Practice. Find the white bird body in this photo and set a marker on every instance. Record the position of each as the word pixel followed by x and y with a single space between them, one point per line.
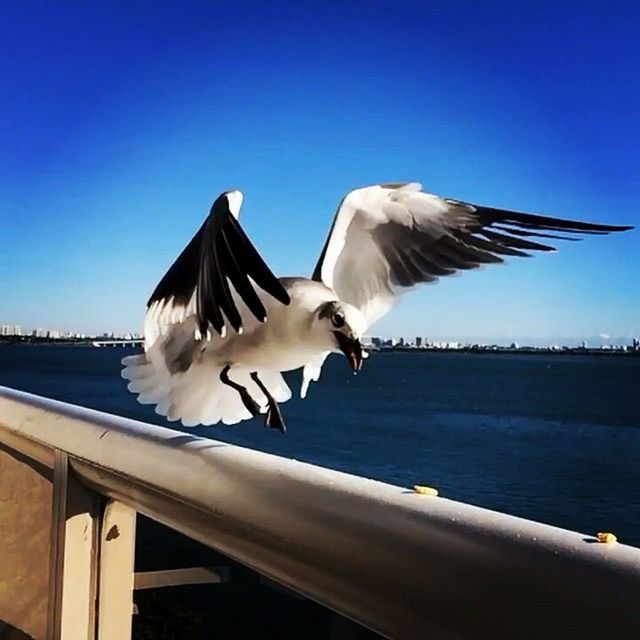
pixel 287 340
pixel 220 327
pixel 291 339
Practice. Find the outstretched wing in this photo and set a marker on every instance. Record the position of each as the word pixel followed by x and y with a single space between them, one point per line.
pixel 199 283
pixel 386 238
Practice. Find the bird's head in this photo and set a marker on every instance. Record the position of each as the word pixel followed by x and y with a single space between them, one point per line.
pixel 345 324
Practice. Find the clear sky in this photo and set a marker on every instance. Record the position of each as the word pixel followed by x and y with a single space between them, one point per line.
pixel 121 121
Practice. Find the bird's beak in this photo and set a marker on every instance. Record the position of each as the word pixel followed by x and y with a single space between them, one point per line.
pixel 351 348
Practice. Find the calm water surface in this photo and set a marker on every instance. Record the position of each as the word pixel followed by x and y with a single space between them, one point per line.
pixel 551 438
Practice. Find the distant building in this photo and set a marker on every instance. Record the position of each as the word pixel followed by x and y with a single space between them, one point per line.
pixel 418 341
pixel 10 330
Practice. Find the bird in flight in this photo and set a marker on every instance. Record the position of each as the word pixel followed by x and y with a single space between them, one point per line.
pixel 220 327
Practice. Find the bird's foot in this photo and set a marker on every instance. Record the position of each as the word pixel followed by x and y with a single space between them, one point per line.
pixel 274 417
pixel 252 406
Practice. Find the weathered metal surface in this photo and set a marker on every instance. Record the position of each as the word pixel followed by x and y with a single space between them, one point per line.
pixel 26 496
pixel 116 576
pixel 79 532
pixel 177 577
pixel 404 564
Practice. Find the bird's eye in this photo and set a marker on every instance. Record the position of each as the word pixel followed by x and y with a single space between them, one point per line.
pixel 337 319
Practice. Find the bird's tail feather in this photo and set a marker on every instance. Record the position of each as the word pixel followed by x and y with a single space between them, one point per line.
pixel 197 396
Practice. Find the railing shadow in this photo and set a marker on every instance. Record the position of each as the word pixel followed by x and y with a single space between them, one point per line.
pixel 9 632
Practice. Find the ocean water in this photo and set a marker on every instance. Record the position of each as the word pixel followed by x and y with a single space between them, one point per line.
pixel 551 438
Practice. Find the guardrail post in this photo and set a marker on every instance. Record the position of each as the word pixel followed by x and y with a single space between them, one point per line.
pixel 395 561
pixel 92 551
pixel 74 554
pixel 115 593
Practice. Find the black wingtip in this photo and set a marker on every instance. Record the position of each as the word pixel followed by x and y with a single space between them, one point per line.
pixel 235 262
pixel 283 296
pixel 545 223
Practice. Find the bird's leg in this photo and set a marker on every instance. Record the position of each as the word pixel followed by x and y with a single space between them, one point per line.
pixel 247 400
pixel 274 417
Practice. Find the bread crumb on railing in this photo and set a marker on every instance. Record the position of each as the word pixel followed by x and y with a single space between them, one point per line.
pixel 425 491
pixel 606 537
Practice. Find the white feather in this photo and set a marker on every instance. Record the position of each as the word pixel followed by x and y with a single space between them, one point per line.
pixel 355 264
pixel 311 372
pixel 235 199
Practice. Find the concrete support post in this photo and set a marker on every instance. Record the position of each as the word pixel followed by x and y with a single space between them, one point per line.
pixel 74 556
pixel 80 563
pixel 115 592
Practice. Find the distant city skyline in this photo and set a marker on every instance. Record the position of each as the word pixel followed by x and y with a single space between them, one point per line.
pixel 120 130
pixel 592 341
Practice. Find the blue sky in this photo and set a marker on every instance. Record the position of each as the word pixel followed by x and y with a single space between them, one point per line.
pixel 120 123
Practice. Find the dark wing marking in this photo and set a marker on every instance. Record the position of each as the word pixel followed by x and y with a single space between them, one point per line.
pixel 385 238
pixel 220 253
pixel 489 215
pixel 421 254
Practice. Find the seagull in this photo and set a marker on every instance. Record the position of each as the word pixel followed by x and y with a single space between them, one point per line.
pixel 220 327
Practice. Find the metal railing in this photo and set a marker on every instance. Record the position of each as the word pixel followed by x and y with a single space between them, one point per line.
pixel 403 564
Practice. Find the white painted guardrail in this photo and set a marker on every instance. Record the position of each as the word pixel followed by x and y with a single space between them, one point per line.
pixel 403 564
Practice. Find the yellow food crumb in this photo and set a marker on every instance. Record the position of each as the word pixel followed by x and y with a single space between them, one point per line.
pixel 426 491
pixel 606 537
